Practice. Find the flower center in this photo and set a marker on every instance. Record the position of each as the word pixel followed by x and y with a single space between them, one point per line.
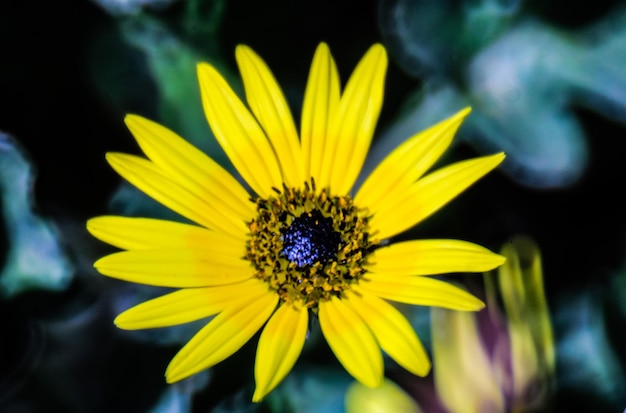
pixel 307 245
pixel 310 238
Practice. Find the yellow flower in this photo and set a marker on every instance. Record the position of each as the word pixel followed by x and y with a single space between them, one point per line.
pixel 298 244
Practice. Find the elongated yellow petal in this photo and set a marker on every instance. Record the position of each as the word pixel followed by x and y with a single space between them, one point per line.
pixel 436 256
pixel 420 291
pixel 175 268
pixel 268 104
pixel 392 331
pixel 279 347
pixel 147 177
pixel 429 194
pixel 191 168
pixel 146 233
pixel 238 132
pixel 352 126
pixel 407 163
pixel 351 341
pixel 321 99
pixel 221 337
pixel 189 304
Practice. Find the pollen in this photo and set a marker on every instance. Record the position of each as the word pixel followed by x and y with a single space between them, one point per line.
pixel 307 245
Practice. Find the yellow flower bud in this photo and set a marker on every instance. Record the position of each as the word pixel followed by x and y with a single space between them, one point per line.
pixel 389 397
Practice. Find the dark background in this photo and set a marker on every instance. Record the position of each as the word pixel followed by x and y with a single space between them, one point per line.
pixel 49 103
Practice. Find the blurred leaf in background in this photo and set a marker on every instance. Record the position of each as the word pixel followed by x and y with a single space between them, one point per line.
pixel 521 76
pixel 35 256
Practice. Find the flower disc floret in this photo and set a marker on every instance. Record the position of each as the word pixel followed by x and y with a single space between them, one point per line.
pixel 309 246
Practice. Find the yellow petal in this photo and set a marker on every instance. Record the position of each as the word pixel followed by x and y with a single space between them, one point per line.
pixel 436 256
pixel 268 104
pixel 392 331
pixel 154 182
pixel 189 304
pixel 191 168
pixel 279 347
pixel 221 337
pixel 321 99
pixel 351 341
pixel 175 268
pixel 420 291
pixel 238 132
pixel 352 126
pixel 146 233
pixel 429 194
pixel 407 163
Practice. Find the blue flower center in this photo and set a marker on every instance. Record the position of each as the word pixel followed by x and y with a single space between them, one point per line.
pixel 309 239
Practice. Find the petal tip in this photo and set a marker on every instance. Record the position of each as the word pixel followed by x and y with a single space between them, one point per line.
pixel 92 223
pixel 323 45
pixel 243 50
pixel 380 54
pixel 465 111
pixel 119 322
pixel 378 48
pixel 114 158
pixel 130 119
pixel 497 158
pixel 258 395
pixel 373 381
pixel 424 370
pixel 420 368
pixel 458 117
pixel 477 305
pixel 204 69
pixel 173 374
pixel 322 49
pixel 98 263
pixel 500 259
